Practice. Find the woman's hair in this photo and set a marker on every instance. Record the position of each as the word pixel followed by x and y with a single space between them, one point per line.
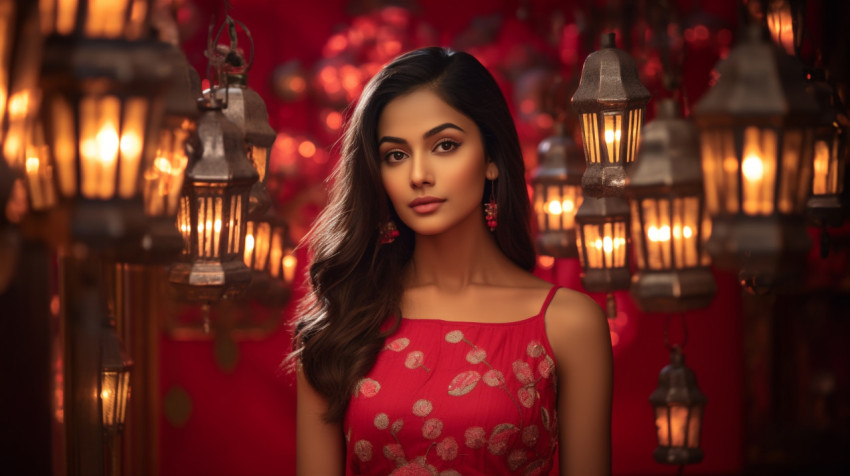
pixel 356 282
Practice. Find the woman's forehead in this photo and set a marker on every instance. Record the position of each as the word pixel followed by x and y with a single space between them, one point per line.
pixel 415 113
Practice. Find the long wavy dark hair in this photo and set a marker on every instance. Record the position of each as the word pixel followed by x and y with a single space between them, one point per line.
pixel 355 282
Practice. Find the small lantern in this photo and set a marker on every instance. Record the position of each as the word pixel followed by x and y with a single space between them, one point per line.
pixel 611 102
pixel 785 20
pixel 114 381
pixel 668 229
pixel 268 252
pixel 825 206
pixel 756 136
pixel 212 214
pixel 557 194
pixel 107 19
pixel 678 404
pixel 604 256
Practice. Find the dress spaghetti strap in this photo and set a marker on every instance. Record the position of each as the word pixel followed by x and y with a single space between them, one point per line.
pixel 548 299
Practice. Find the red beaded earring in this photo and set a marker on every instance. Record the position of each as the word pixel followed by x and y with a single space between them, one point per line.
pixel 388 232
pixel 491 208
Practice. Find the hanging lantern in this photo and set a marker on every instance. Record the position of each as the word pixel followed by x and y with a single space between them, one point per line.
pixel 611 102
pixel 669 225
pixel 678 404
pixel 825 206
pixel 114 381
pixel 268 252
pixel 212 214
pixel 785 20
pixel 106 19
pixel 756 137
pixel 604 256
pixel 557 194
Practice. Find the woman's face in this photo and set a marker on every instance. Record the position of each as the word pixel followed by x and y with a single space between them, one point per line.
pixel 433 164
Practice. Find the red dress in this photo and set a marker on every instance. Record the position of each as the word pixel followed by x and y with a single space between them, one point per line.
pixel 457 398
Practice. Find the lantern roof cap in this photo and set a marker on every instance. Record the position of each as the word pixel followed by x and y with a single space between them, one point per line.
pixel 222 156
pixel 669 154
pixel 677 384
pixel 181 98
pixel 609 79
pixel 605 209
pixel 246 109
pixel 758 83
pixel 560 159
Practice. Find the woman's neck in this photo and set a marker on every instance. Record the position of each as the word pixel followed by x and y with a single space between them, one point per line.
pixel 467 254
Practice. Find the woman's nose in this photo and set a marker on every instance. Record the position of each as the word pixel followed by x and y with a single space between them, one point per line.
pixel 420 171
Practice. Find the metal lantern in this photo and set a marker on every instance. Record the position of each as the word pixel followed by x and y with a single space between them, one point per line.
pixel 756 136
pixel 212 214
pixel 107 19
pixel 678 404
pixel 557 194
pixel 668 225
pixel 114 381
pixel 825 206
pixel 603 253
pixel 785 20
pixel 268 252
pixel 611 102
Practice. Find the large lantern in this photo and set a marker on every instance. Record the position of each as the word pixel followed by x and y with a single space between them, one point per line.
pixel 603 251
pixel 756 136
pixel 668 229
pixel 557 194
pixel 212 214
pixel 611 102
pixel 826 206
pixel 678 404
pixel 114 381
pixel 268 252
pixel 105 19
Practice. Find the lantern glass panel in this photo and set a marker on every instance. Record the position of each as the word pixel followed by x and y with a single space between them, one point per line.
pixel 109 396
pixel 662 425
pixel 99 145
pixel 260 158
pixel 276 252
pixel 262 243
pixel 781 25
pixel 209 226
pixel 612 131
pixel 637 234
pixel 132 132
pixel 720 171
pixel 234 222
pixel 248 255
pixel 694 426
pixel 758 171
pixel 289 263
pixel 14 143
pixel 606 245
pixel 184 222
pixel 590 137
pixel 104 18
pixel 705 234
pixel 39 171
pixel 163 179
pixel 556 206
pixel 824 180
pixel 7 30
pixel 791 144
pixel 64 145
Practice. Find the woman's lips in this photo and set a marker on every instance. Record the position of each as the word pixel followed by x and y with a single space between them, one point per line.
pixel 424 205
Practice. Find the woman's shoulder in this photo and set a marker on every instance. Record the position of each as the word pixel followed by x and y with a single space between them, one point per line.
pixel 574 318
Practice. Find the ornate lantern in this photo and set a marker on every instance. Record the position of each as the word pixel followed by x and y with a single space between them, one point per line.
pixel 212 214
pixel 825 206
pixel 785 20
pixel 602 232
pixel 668 225
pixel 611 102
pixel 678 404
pixel 756 135
pixel 245 108
pixel 557 194
pixel 114 381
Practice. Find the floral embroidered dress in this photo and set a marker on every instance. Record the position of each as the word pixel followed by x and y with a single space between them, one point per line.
pixel 457 398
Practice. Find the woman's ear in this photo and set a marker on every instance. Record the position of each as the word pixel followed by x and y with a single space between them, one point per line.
pixel 492 172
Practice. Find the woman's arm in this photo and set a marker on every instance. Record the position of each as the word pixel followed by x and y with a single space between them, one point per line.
pixel 579 334
pixel 320 448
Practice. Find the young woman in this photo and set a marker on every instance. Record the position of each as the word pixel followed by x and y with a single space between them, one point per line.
pixel 425 345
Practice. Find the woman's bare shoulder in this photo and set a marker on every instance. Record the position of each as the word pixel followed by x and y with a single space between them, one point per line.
pixel 574 318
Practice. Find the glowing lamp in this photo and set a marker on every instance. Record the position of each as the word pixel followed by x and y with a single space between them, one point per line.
pixel 112 19
pixel 667 210
pixel 39 171
pixel 114 382
pixel 785 20
pixel 756 137
pixel 611 102
pixel 557 194
pixel 825 206
pixel 678 404
pixel 212 214
pixel 603 251
pixel 268 253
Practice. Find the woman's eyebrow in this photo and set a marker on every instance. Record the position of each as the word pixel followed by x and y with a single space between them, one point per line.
pixel 435 130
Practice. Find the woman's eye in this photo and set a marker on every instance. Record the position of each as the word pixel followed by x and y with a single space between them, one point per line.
pixel 447 145
pixel 394 156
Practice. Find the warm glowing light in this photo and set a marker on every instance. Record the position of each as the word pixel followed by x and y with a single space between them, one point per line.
pixel 163 165
pixel 19 103
pixel 289 263
pixel 554 207
pixel 598 243
pixel 218 226
pixel 333 120
pixel 688 232
pixel 249 244
pixel 106 394
pixel 297 84
pixel 568 206
pixel 752 168
pixel 32 165
pixel 658 234
pixel 607 244
pixel 610 136
pixel 307 149
pixel 107 141
pixel 131 143
pixel 545 262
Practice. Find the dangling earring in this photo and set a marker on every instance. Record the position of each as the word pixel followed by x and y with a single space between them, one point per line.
pixel 491 208
pixel 387 232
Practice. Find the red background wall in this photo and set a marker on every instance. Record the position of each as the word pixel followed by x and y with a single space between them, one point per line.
pixel 242 420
